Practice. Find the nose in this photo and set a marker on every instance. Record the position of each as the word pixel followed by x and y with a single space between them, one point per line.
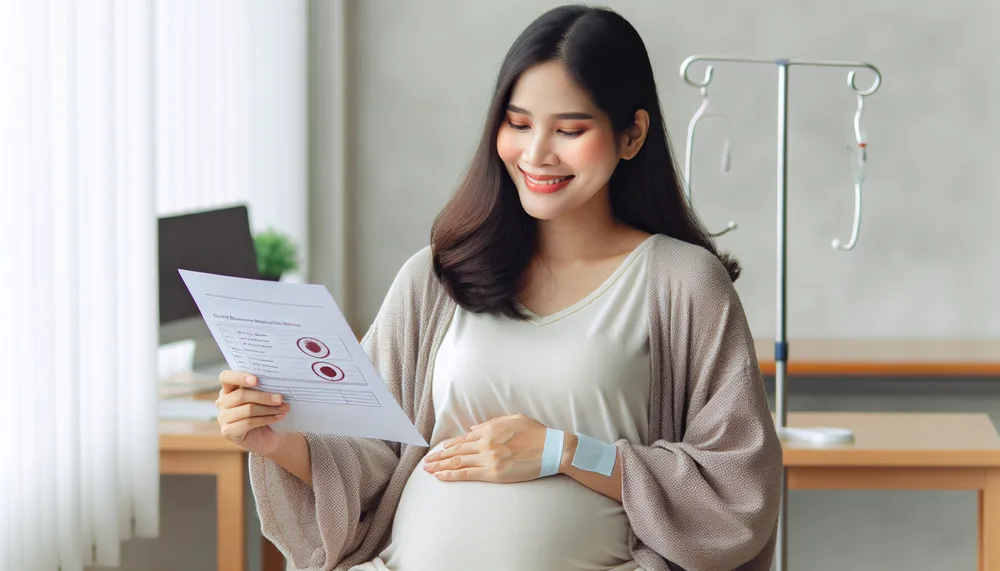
pixel 539 151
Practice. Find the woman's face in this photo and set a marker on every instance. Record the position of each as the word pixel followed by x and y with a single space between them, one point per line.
pixel 559 149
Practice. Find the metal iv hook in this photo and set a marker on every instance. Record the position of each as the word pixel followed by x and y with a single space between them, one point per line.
pixel 859 159
pixel 706 110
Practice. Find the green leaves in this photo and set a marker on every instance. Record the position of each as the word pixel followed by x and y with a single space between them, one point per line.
pixel 276 254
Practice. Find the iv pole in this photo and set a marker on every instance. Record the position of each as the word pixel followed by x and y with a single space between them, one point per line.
pixel 819 435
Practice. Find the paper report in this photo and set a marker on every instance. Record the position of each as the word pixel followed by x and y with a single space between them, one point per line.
pixel 295 339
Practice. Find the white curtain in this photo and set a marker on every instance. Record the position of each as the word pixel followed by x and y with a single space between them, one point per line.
pixel 78 305
pixel 114 112
pixel 232 110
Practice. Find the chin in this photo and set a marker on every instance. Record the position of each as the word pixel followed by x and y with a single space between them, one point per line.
pixel 543 207
pixel 541 213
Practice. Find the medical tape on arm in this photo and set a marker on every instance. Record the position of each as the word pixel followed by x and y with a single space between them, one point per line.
pixel 552 452
pixel 593 455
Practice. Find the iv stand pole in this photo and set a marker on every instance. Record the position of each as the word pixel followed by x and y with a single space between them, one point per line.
pixel 781 339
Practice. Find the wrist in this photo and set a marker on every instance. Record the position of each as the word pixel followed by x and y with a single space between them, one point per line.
pixel 291 452
pixel 569 450
pixel 283 442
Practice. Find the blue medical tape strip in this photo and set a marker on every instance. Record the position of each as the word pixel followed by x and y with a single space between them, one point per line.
pixel 593 455
pixel 552 452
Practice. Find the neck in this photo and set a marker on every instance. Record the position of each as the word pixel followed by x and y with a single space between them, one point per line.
pixel 580 235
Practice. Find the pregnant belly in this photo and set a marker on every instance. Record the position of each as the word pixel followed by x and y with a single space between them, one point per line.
pixel 551 523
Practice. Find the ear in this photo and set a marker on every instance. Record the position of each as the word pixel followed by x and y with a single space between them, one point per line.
pixel 633 138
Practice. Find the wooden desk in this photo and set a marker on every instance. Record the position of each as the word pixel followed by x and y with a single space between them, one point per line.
pixel 907 451
pixel 886 357
pixel 900 451
pixel 892 451
pixel 198 448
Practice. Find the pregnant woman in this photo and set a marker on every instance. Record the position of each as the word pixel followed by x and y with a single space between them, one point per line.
pixel 570 344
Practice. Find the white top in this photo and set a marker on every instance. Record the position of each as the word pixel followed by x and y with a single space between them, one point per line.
pixel 583 369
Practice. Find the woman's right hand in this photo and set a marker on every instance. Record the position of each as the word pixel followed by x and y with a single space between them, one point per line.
pixel 245 414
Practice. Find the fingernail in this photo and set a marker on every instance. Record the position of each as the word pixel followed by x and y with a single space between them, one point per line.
pixel 250 380
pixel 276 398
pixel 279 416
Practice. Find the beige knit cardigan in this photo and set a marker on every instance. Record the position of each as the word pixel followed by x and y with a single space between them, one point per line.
pixel 701 495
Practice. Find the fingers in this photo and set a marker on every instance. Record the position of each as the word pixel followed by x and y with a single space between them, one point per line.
pixel 249 410
pixel 243 396
pixel 470 437
pixel 233 380
pixel 237 389
pixel 237 430
pixel 455 463
pixel 465 448
pixel 465 474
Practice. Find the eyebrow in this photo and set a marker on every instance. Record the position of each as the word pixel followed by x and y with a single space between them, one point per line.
pixel 569 116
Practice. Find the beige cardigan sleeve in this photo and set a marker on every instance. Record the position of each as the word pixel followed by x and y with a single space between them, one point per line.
pixel 323 526
pixel 705 495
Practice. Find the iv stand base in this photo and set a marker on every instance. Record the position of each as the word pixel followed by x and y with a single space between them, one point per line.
pixel 823 435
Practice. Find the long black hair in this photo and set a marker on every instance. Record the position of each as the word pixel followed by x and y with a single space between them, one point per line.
pixel 483 240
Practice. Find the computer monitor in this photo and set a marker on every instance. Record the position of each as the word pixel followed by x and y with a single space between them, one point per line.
pixel 213 241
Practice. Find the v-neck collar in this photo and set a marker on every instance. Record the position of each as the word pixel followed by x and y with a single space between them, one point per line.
pixel 541 320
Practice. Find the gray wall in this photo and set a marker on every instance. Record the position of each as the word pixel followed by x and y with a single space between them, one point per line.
pixel 926 265
pixel 929 257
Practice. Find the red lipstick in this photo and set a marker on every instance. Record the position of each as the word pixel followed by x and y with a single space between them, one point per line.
pixel 545 184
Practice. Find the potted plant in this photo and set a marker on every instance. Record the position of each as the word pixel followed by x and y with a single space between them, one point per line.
pixel 276 254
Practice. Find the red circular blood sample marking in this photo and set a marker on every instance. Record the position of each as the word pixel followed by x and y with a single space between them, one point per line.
pixel 313 347
pixel 328 372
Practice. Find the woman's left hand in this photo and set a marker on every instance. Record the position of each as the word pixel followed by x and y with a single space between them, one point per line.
pixel 506 449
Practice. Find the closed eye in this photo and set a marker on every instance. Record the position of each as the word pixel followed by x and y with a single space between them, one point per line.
pixel 568 134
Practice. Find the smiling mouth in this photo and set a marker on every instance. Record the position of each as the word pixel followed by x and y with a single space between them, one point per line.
pixel 545 183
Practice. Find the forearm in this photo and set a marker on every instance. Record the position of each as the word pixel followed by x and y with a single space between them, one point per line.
pixel 293 456
pixel 610 486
